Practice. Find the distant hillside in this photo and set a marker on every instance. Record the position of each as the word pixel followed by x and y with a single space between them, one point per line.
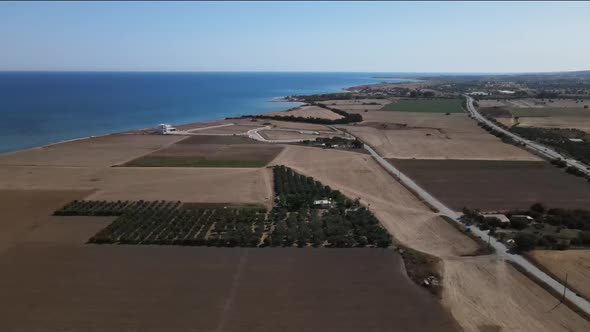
pixel 566 75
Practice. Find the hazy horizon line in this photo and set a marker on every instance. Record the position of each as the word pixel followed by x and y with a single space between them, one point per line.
pixel 293 71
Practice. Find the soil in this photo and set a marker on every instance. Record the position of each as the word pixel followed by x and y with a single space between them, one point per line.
pixel 27 210
pixel 431 136
pixel 576 263
pixel 195 149
pixel 56 288
pixel 431 143
pixel 236 185
pixel 484 293
pixel 581 123
pixel 309 112
pixel 497 185
pixel 280 135
pixel 97 151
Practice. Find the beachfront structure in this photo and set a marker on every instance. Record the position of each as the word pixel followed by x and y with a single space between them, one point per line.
pixel 165 129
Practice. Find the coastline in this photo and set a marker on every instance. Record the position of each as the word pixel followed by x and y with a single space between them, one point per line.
pixel 137 131
pixel 402 82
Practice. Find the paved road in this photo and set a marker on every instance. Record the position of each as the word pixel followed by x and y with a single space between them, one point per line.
pixel 534 146
pixel 501 249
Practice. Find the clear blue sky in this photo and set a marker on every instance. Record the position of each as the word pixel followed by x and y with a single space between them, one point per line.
pixel 304 36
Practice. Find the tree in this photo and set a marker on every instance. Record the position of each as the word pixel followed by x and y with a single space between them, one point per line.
pixel 525 242
pixel 518 224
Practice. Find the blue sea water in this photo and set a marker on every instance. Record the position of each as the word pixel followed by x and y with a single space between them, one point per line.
pixel 38 108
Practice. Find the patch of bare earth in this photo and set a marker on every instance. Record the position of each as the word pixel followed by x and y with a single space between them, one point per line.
pixel 484 293
pixel 96 151
pixel 214 148
pixel 308 112
pixel 574 263
pixel 532 103
pixel 454 137
pixel 294 125
pixel 494 185
pixel 357 104
pixel 158 288
pixel 235 185
pixel 24 211
pixel 565 122
pixel 286 135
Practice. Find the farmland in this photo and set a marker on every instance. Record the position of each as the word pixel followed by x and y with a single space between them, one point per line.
pixel 559 114
pixel 292 221
pixel 438 105
pixel 352 105
pixel 249 185
pixel 203 151
pixel 576 263
pixel 56 288
pixel 497 185
pixel 559 139
pixel 466 291
pixel 23 210
pixel 487 294
pixel 308 112
pixel 91 152
pixel 359 176
pixel 432 136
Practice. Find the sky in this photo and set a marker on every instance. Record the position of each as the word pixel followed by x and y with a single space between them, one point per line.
pixel 295 36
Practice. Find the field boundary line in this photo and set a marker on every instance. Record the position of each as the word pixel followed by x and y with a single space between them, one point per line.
pixel 233 290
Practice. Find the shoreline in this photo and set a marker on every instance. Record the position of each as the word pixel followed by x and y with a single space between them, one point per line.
pixel 135 131
pixel 290 99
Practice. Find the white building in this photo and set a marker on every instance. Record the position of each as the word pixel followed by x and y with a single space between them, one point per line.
pixel 503 219
pixel 165 129
pixel 323 203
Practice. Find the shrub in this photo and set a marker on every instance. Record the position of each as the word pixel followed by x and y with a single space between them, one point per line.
pixel 525 242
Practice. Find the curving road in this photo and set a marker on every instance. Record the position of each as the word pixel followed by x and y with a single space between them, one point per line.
pixel 534 146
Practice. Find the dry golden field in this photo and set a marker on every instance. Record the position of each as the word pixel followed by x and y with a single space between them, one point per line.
pixel 574 263
pixel 308 112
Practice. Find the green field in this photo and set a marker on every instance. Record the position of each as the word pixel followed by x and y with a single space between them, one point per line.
pixel 178 161
pixel 438 105
pixel 547 112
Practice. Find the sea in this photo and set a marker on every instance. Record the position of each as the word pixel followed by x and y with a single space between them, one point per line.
pixel 39 108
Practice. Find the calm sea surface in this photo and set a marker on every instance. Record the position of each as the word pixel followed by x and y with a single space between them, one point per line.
pixel 43 108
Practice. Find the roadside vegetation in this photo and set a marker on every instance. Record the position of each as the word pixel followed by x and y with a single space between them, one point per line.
pixel 560 140
pixel 536 228
pixel 335 142
pixel 296 220
pixel 346 117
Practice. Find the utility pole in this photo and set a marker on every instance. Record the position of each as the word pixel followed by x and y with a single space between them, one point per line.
pixel 562 296
pixel 564 288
